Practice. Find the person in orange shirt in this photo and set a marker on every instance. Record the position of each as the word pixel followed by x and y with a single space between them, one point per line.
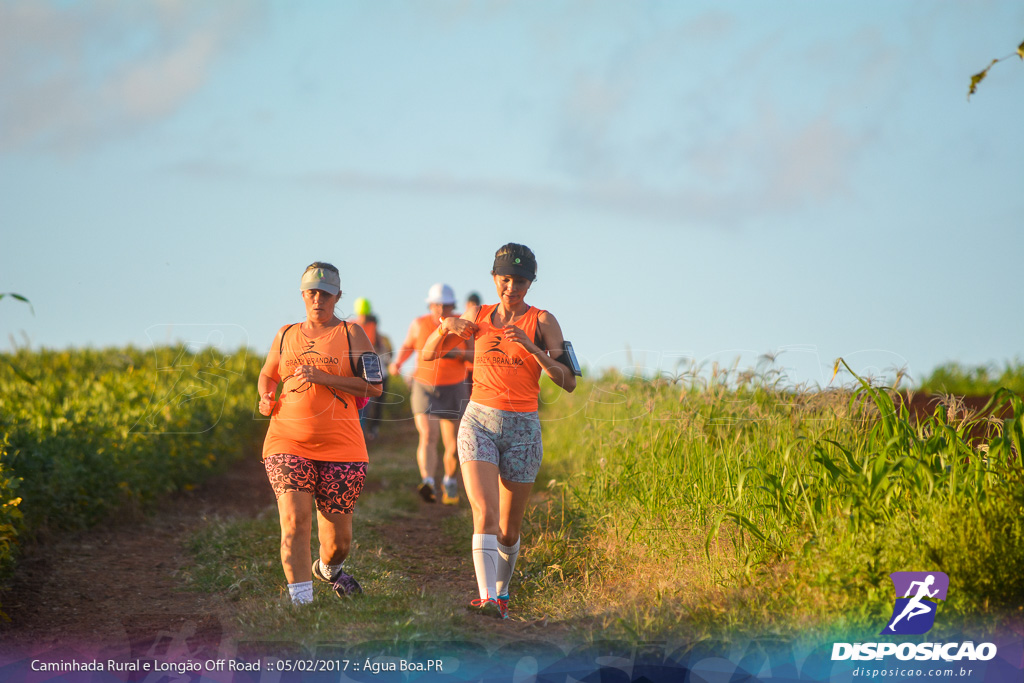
pixel 438 395
pixel 314 452
pixel 499 439
pixel 370 414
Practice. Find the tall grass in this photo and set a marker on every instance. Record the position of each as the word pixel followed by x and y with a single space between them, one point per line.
pixel 710 507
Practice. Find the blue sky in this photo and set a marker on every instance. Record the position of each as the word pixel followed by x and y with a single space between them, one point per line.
pixel 701 181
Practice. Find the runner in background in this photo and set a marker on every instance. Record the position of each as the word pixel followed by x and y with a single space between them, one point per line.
pixel 499 439
pixel 438 395
pixel 370 414
pixel 314 451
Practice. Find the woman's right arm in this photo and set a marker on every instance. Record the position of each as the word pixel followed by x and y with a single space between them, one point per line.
pixel 451 333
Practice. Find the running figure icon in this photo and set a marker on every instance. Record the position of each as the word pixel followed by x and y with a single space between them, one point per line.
pixel 915 606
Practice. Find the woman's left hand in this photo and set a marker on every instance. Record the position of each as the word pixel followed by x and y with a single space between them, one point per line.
pixel 310 374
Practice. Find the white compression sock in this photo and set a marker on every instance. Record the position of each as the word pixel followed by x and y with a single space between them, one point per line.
pixel 506 566
pixel 485 561
pixel 301 593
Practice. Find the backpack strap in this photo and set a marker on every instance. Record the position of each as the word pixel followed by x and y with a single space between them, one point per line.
pixel 280 348
pixel 351 361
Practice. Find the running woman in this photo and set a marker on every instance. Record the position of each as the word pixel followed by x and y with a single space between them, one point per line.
pixel 499 439
pixel 314 451
pixel 438 395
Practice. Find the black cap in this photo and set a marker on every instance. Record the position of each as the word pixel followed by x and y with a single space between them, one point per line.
pixel 523 266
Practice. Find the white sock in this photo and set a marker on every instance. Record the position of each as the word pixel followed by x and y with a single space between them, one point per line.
pixel 448 481
pixel 429 480
pixel 485 561
pixel 330 570
pixel 301 593
pixel 506 566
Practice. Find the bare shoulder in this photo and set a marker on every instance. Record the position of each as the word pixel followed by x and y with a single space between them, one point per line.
pixel 549 330
pixel 546 318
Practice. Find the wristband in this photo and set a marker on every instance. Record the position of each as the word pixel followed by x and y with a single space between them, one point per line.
pixel 440 328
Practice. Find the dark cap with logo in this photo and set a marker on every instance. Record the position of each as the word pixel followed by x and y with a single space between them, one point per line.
pixel 510 264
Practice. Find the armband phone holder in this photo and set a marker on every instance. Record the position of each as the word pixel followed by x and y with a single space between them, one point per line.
pixel 372 371
pixel 569 359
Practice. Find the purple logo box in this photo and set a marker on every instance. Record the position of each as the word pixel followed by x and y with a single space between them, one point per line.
pixel 917 596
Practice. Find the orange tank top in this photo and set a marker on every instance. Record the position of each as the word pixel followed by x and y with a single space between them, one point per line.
pixel 312 420
pixel 440 372
pixel 370 328
pixel 505 375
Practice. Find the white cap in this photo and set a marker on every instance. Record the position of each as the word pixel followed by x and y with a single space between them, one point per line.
pixel 441 293
pixel 322 279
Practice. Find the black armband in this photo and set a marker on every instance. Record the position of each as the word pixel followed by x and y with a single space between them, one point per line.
pixel 568 359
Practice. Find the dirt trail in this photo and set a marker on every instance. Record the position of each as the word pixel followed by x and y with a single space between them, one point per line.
pixel 103 590
pixel 118 591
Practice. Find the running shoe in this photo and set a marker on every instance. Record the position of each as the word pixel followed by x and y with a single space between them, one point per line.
pixel 451 493
pixel 503 606
pixel 343 584
pixel 488 607
pixel 426 492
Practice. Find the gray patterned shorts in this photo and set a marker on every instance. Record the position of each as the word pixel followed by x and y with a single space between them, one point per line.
pixel 509 440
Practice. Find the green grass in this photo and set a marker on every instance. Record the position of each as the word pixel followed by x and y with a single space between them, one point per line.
pixel 239 559
pixel 718 511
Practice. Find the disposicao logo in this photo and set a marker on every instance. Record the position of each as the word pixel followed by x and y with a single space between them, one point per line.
pixel 913 613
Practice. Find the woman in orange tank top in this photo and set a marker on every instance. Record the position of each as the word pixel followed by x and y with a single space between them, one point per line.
pixel 314 451
pixel 499 438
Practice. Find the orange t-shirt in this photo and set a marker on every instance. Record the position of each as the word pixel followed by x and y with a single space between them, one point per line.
pixel 440 372
pixel 505 375
pixel 312 420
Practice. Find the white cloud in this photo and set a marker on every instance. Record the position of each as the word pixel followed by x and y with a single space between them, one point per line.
pixel 154 88
pixel 72 75
pixel 688 123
